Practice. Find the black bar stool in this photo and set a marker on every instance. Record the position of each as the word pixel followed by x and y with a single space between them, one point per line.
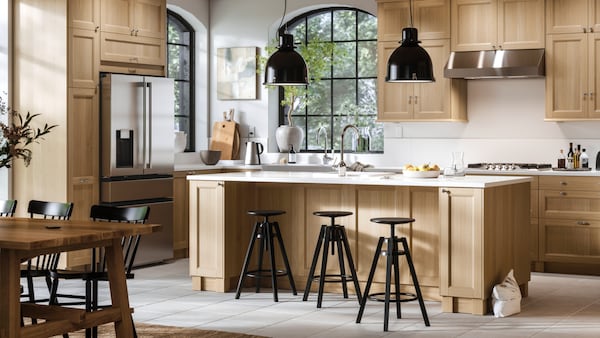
pixel 392 254
pixel 334 234
pixel 265 231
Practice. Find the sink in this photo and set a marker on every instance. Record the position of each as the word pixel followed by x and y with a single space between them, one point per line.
pixel 298 167
pixel 353 174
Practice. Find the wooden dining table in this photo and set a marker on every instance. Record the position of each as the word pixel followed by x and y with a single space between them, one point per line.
pixel 24 238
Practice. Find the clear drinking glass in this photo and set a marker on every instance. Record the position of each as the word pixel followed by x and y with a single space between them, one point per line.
pixel 458 164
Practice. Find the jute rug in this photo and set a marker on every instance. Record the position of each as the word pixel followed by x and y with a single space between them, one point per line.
pixel 159 331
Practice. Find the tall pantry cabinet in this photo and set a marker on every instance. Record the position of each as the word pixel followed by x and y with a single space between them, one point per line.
pixel 57 61
pixel 572 60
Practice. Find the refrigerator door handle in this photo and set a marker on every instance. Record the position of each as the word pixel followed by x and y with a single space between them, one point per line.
pixel 147 125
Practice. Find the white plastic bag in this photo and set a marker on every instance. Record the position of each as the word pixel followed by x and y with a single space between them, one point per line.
pixel 506 297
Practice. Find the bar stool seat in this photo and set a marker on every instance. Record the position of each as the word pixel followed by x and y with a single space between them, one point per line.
pixel 265 231
pixel 392 254
pixel 332 234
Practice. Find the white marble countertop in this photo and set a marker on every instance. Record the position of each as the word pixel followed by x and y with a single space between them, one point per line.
pixel 362 178
pixel 239 165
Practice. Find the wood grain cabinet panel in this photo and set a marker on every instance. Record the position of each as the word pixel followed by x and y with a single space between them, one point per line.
pixel 442 100
pixel 84 14
pixel 497 24
pixel 572 16
pixel 569 224
pixel 430 17
pixel 83 58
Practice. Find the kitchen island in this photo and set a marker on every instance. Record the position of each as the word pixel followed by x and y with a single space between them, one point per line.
pixel 468 231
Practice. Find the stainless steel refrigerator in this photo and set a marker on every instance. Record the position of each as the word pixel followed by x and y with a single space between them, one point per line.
pixel 137 157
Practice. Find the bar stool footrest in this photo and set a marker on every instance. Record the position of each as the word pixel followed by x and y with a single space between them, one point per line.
pixel 265 273
pixel 334 278
pixel 408 297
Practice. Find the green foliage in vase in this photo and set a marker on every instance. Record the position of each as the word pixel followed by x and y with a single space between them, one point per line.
pixel 17 134
pixel 318 55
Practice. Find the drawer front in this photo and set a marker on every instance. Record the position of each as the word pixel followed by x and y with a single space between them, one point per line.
pixel 570 183
pixel 574 241
pixel 565 204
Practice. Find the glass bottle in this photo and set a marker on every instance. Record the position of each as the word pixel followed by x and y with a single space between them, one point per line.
pixel 292 155
pixel 561 160
pixel 570 157
pixel 584 159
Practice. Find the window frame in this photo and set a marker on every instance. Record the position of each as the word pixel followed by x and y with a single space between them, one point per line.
pixel 191 137
pixel 282 111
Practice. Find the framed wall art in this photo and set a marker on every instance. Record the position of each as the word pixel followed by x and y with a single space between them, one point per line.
pixel 236 73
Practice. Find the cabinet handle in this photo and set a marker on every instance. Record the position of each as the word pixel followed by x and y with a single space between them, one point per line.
pixel 96 29
pixel 220 184
pixel 131 31
pixel 136 32
pixel 591 29
pixel 83 180
pixel 584 30
pixel 416 99
pixel 563 193
pixel 446 191
pixel 563 183
pixel 410 99
pixel 583 223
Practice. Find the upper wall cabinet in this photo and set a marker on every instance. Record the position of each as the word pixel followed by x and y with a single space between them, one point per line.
pixel 84 14
pixel 134 17
pixel 572 16
pixel 497 24
pixel 133 36
pixel 430 17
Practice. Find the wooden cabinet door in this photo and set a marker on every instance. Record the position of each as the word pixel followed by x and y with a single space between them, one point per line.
pixel 84 14
pixel 83 149
pixel 520 24
pixel 569 241
pixel 593 96
pixel 83 58
pixel 117 16
pixel 566 76
pixel 461 242
pixel 425 235
pixel 474 24
pixel 570 204
pixel 207 228
pixel 430 17
pixel 594 18
pixel 431 100
pixel 394 100
pixel 150 18
pixel 132 49
pixel 567 16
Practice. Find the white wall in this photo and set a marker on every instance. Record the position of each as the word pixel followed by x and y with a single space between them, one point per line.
pixel 506 117
pixel 4 73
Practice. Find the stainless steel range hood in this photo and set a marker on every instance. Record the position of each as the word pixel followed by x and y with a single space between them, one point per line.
pixel 518 63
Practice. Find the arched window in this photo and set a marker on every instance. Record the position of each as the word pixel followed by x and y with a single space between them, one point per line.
pixel 180 67
pixel 348 93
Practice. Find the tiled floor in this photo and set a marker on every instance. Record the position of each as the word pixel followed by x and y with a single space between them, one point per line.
pixel 557 306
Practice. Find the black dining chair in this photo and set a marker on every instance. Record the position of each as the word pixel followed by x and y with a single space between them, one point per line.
pixel 40 266
pixel 98 271
pixel 7 208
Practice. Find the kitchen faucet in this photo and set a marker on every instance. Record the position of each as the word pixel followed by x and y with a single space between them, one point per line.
pixel 326 158
pixel 342 165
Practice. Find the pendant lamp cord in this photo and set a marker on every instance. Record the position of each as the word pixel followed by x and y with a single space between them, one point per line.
pixel 410 3
pixel 283 16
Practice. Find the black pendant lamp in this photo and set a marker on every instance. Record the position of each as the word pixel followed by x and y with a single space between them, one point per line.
pixel 286 67
pixel 409 62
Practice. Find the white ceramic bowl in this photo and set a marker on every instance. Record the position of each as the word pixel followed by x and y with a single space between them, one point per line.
pixel 421 174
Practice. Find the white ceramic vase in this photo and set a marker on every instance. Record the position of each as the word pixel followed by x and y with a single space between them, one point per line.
pixel 180 141
pixel 286 136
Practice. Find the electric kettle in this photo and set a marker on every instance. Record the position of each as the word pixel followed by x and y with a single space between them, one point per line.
pixel 253 151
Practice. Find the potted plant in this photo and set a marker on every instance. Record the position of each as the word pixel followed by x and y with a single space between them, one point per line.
pixel 318 56
pixel 17 134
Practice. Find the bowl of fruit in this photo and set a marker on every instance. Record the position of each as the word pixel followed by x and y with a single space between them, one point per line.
pixel 421 171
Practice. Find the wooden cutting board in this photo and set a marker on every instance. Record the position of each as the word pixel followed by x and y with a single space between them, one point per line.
pixel 226 138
